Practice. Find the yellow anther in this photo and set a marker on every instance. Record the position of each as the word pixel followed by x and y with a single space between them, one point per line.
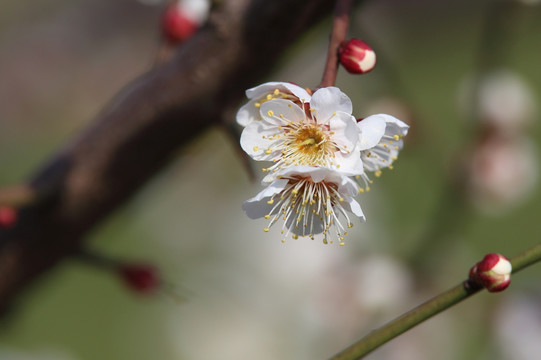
pixel 269 97
pixel 257 105
pixel 267 216
pixel 378 173
pixel 350 225
pixel 268 151
pixel 283 241
pixel 341 199
pixel 312 109
pixel 295 237
pixel 360 191
pixel 270 202
pixel 266 229
pixel 276 92
pixel 270 113
pixel 390 166
pixel 367 188
pixel 325 241
pixel 342 243
pixel 256 148
pixel 396 137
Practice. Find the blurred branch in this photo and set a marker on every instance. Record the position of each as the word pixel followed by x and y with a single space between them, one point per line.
pixel 429 309
pixel 143 127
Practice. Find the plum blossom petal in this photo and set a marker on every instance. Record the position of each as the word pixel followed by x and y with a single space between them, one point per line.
pixel 269 91
pixel 385 151
pixel 327 101
pixel 310 201
pixel 346 132
pixel 372 129
pixel 258 206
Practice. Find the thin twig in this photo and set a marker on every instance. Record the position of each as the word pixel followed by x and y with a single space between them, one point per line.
pixel 428 309
pixel 340 25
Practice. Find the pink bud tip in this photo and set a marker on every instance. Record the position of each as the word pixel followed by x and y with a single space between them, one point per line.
pixel 493 272
pixel 8 216
pixel 143 279
pixel 357 57
pixel 176 26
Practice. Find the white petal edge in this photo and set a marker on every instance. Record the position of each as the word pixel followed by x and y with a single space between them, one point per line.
pixel 329 100
pixel 257 206
pixel 346 133
pixel 371 130
pixel 253 143
pixel 248 113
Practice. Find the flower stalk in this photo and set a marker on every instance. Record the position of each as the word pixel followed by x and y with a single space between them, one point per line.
pixel 428 309
pixel 340 25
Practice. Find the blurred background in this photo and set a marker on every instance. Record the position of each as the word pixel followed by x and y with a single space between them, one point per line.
pixel 464 74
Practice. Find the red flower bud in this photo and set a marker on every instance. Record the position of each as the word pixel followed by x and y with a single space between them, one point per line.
pixel 143 279
pixel 357 57
pixel 176 25
pixel 8 216
pixel 493 272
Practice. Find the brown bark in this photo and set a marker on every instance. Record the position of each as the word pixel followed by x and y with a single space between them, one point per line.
pixel 142 128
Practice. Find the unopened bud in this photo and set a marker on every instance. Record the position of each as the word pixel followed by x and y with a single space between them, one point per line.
pixel 143 279
pixel 177 26
pixel 8 216
pixel 357 57
pixel 493 272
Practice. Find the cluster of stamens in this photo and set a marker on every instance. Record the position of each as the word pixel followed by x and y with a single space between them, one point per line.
pixel 309 208
pixel 301 143
pixel 380 156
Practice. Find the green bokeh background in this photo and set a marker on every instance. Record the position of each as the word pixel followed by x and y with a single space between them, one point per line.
pixel 240 293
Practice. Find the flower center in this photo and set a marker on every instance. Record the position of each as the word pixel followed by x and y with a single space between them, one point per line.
pixel 310 139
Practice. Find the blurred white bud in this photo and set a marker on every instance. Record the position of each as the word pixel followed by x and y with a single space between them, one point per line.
pixel 518 327
pixel 504 99
pixel 197 10
pixel 382 283
pixel 502 170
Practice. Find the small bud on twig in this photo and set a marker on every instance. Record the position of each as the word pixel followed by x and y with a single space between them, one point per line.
pixel 141 278
pixel 493 272
pixel 8 216
pixel 176 25
pixel 357 57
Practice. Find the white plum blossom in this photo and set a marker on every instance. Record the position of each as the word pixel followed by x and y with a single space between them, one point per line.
pixel 323 134
pixel 310 201
pixel 380 140
pixel 269 91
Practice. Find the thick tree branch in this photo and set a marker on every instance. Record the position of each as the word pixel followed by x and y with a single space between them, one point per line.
pixel 140 130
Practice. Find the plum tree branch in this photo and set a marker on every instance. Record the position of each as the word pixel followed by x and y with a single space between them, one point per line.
pixel 142 128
